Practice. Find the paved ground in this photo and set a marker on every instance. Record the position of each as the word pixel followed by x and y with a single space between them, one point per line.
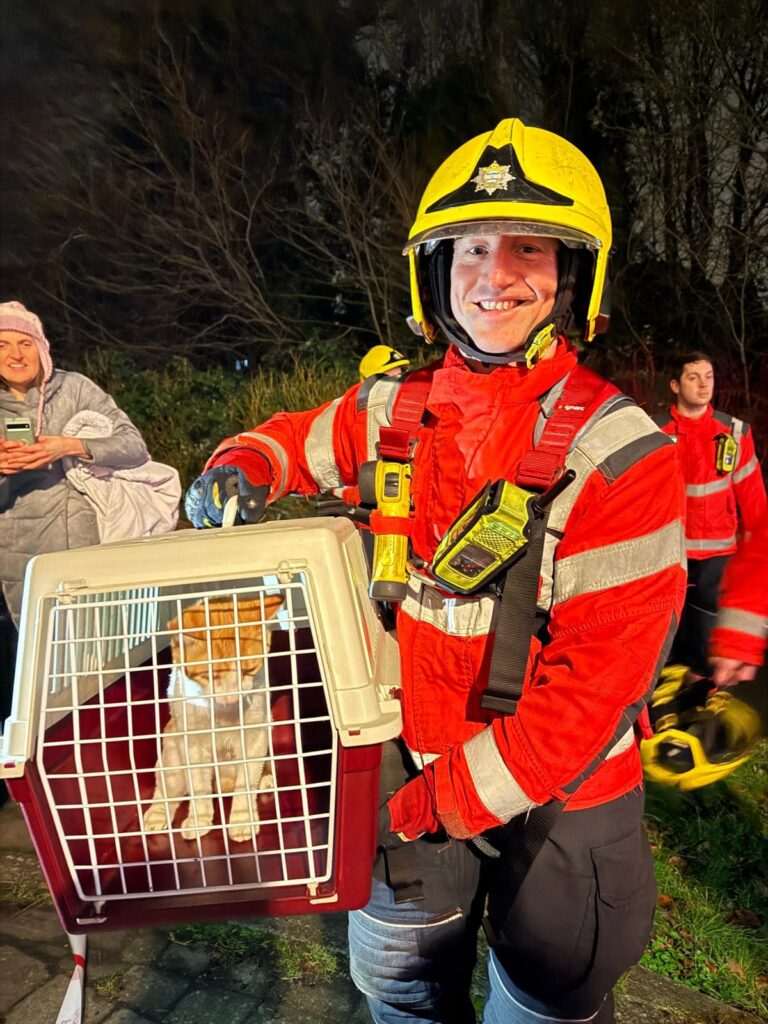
pixel 145 977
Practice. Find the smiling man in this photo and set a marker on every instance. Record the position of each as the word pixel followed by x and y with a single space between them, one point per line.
pixel 516 785
pixel 725 496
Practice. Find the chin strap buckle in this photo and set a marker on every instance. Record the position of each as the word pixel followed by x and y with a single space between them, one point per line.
pixel 545 337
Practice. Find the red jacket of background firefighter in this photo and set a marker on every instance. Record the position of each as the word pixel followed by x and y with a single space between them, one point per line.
pixel 719 502
pixel 741 633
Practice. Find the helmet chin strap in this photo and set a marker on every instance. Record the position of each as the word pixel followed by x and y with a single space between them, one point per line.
pixel 543 335
pixel 539 340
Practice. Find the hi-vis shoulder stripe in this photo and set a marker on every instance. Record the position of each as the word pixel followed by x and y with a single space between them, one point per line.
pixel 612 445
pixel 745 470
pixel 279 453
pixel 619 563
pixel 379 410
pixel 744 622
pixel 454 616
pixel 496 785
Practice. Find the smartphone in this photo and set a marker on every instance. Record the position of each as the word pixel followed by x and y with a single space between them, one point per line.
pixel 19 429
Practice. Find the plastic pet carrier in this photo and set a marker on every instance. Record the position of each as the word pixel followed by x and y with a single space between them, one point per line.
pixel 197 724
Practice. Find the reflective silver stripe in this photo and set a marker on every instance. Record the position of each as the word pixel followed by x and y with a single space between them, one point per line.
pixel 694 544
pixel 318 449
pixel 744 471
pixel 701 490
pixel 495 784
pixel 616 431
pixel 454 616
pixel 622 743
pixel 379 409
pixel 281 455
pixel 619 563
pixel 744 622
pixel 605 439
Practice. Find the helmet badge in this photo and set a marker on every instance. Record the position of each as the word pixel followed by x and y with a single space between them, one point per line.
pixel 492 178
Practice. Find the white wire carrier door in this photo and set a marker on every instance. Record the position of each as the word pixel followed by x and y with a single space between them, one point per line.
pixel 198 744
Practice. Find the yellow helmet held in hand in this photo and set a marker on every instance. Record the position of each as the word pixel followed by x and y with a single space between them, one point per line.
pixel 700 735
pixel 514 180
pixel 382 359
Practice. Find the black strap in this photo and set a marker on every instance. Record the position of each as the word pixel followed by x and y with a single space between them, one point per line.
pixel 515 626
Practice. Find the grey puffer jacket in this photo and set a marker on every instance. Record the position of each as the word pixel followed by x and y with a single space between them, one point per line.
pixel 39 510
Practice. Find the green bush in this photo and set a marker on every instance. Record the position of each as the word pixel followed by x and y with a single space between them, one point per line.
pixel 183 412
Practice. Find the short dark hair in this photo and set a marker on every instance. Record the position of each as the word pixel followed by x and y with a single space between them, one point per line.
pixel 679 362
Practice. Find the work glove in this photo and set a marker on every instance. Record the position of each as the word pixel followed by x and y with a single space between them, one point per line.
pixel 205 500
pixel 412 809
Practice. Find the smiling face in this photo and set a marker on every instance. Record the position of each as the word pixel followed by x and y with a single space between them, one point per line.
pixel 19 360
pixel 693 391
pixel 502 286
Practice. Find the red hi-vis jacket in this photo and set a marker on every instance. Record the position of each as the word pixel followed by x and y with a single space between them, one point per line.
pixel 612 579
pixel 741 632
pixel 717 504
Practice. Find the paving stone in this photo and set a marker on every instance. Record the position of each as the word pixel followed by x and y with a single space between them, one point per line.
pixel 34 925
pixel 125 1016
pixel 251 977
pixel 149 991
pixel 14 828
pixel 21 974
pixel 648 998
pixel 42 1005
pixel 202 1006
pixel 144 947
pixel 308 1004
pixel 188 960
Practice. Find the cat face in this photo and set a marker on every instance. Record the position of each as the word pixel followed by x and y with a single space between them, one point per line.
pixel 208 637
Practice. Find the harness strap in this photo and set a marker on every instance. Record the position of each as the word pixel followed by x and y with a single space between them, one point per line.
pixel 397 441
pixel 517 620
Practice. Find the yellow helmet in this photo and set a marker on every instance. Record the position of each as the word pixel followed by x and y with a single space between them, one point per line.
pixel 700 735
pixel 514 180
pixel 381 359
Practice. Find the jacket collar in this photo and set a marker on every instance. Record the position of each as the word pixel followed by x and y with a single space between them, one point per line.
pixel 455 382
pixel 690 424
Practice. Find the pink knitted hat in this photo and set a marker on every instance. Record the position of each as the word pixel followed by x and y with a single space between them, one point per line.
pixel 16 317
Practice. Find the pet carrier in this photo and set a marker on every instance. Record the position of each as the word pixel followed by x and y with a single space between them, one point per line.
pixel 197 724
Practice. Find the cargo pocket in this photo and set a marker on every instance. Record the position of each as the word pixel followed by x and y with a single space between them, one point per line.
pixel 626 898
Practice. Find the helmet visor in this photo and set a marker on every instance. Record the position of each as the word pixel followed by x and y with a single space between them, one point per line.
pixel 571 237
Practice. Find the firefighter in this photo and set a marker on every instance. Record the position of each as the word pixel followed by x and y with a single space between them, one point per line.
pixel 507 253
pixel 738 641
pixel 383 359
pixel 725 495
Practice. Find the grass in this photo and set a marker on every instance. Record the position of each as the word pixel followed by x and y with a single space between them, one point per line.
pixel 310 963
pixel 711 928
pixel 24 892
pixel 110 985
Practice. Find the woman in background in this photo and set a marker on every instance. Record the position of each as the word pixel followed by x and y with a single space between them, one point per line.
pixel 43 504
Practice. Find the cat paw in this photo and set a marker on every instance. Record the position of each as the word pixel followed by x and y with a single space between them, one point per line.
pixel 156 818
pixel 242 827
pixel 192 828
pixel 267 781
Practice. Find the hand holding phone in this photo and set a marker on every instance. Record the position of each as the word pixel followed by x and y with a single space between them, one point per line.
pixel 19 428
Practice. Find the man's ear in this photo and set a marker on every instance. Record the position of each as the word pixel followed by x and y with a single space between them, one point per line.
pixel 674 387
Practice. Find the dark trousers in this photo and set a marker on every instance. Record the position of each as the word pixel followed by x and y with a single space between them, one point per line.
pixel 699 612
pixel 581 917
